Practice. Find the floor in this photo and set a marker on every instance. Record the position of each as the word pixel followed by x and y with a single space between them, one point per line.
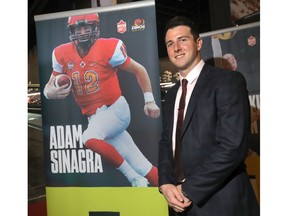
pixel 36 173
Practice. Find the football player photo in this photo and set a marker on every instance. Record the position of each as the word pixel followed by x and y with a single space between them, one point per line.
pixel 86 67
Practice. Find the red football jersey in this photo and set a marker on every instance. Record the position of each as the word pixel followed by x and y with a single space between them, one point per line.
pixel 95 81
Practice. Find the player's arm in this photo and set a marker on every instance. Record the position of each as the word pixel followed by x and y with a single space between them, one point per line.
pixel 53 92
pixel 150 108
pixel 217 51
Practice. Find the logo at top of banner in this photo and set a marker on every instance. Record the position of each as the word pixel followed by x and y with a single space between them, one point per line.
pixel 121 27
pixel 251 41
pixel 138 25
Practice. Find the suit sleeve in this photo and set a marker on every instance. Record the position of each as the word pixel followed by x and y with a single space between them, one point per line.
pixel 165 146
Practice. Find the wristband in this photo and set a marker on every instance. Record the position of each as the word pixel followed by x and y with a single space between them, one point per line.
pixel 148 97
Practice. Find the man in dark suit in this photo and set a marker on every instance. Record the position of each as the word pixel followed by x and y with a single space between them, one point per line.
pixel 214 137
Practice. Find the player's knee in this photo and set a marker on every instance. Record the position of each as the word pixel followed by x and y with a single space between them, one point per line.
pixel 92 143
pixel 88 134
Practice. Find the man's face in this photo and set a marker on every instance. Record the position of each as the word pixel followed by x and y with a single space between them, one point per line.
pixel 231 60
pixel 83 33
pixel 182 49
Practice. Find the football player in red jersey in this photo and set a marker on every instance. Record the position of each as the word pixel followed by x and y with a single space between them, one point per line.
pixel 91 62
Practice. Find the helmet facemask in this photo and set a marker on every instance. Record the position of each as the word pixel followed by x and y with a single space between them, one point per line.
pixel 87 36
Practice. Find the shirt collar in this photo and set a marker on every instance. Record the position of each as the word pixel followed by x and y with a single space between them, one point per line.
pixel 194 73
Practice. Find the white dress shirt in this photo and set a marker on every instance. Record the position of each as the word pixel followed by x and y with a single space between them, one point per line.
pixel 192 79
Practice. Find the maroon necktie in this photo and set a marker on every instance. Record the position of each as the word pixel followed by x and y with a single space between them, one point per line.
pixel 178 168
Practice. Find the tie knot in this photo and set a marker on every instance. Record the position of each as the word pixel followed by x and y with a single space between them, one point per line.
pixel 184 82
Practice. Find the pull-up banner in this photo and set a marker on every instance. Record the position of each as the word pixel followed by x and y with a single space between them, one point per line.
pixel 98 68
pixel 238 49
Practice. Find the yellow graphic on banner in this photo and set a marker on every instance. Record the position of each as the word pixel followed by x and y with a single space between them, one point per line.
pixel 128 201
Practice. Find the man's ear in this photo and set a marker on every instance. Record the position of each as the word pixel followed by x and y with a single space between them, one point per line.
pixel 199 42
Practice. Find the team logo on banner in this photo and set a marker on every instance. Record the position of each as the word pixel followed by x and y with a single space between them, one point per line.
pixel 139 25
pixel 251 41
pixel 121 27
pixel 70 65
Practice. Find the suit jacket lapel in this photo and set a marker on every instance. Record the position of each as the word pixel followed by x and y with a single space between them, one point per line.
pixel 200 85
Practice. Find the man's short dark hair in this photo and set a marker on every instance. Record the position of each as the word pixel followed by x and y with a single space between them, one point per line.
pixel 183 21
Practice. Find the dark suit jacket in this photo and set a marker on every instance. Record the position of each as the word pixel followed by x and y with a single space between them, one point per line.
pixel 215 142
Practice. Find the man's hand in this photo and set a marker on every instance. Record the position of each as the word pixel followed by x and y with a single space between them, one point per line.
pixel 53 92
pixel 179 188
pixel 151 110
pixel 175 199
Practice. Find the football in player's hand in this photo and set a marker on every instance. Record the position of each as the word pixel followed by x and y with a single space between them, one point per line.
pixel 61 80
